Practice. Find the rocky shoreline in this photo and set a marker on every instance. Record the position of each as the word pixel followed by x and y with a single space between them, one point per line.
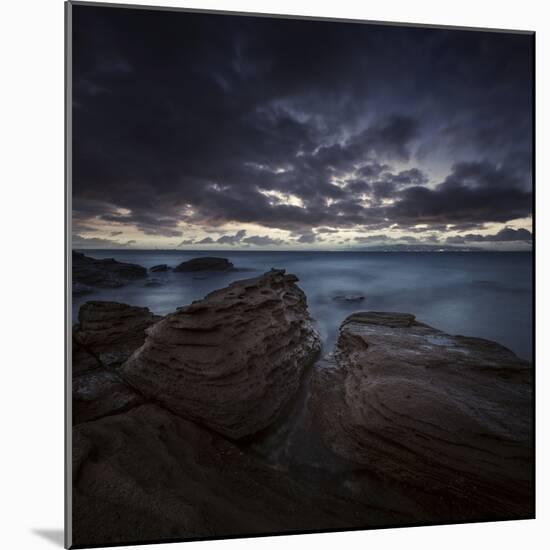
pixel 172 416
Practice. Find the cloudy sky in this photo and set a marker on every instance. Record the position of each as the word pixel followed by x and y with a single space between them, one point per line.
pixel 194 131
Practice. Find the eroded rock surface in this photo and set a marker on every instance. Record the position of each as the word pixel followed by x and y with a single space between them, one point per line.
pixel 204 264
pixel 107 273
pixel 111 331
pixel 232 360
pixel 447 415
pixel 100 393
pixel 106 335
pixel 148 474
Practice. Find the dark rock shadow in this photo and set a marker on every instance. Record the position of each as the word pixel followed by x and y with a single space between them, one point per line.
pixel 55 536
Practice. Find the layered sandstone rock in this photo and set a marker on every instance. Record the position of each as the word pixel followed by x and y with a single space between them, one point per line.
pixel 448 415
pixel 106 335
pixel 232 360
pixel 112 331
pixel 107 273
pixel 149 475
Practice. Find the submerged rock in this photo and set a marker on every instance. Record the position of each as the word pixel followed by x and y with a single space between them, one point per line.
pixel 232 360
pixel 159 268
pixel 106 273
pixel 204 264
pixel 79 289
pixel 348 298
pixel 111 331
pixel 153 283
pixel 448 415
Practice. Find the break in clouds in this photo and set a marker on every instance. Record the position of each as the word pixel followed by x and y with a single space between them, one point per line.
pixel 198 131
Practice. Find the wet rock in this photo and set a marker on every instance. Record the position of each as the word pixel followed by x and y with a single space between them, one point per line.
pixel 111 331
pixel 107 273
pixel 101 393
pixel 150 475
pixel 79 289
pixel 151 283
pixel 160 268
pixel 232 360
pixel 348 298
pixel 450 416
pixel 83 360
pixel 204 264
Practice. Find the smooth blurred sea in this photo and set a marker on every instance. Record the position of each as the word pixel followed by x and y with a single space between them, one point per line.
pixel 483 294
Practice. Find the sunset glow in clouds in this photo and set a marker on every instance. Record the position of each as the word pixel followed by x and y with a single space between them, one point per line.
pixel 198 131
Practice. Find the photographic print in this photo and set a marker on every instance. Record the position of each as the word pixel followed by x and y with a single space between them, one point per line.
pixel 300 275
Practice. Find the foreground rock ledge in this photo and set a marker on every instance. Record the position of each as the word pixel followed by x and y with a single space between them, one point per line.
pixel 106 335
pixel 232 360
pixel 112 331
pixel 150 475
pixel 448 415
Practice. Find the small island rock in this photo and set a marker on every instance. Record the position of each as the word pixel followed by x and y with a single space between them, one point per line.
pixel 204 264
pixel 159 268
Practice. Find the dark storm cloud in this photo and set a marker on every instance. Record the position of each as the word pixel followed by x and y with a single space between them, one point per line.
pixel 79 241
pixel 186 242
pixel 262 240
pixel 507 234
pixel 308 238
pixel 197 118
pixel 386 239
pixel 473 192
pixel 232 239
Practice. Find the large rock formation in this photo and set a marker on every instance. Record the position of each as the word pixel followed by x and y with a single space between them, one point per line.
pixel 204 264
pixel 232 360
pixel 149 475
pixel 448 415
pixel 107 273
pixel 111 331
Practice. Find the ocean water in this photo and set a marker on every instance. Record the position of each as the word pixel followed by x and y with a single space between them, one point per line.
pixel 482 294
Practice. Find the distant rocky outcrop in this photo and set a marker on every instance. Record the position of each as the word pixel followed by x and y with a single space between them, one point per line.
pixel 112 331
pixel 447 415
pixel 107 273
pixel 232 360
pixel 204 264
pixel 159 268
